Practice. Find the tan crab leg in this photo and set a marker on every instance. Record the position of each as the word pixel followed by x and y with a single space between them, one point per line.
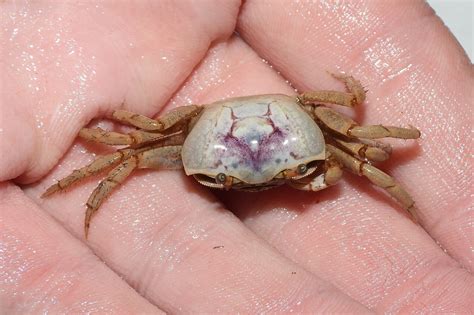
pixel 161 158
pixel 157 158
pixel 377 177
pixel 380 131
pixel 371 152
pixel 115 177
pixel 355 96
pixel 136 120
pixel 115 138
pixel 168 120
pixel 377 144
pixel 93 168
pixel 106 137
pixel 332 173
pixel 348 127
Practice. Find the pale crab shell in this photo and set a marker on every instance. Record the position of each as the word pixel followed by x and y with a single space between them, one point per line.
pixel 252 138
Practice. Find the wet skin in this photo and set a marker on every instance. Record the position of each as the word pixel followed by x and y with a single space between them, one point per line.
pixel 170 244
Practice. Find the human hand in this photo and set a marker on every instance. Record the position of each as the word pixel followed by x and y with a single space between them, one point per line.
pixel 346 249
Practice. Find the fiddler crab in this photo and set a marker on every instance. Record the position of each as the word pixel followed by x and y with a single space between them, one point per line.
pixel 249 143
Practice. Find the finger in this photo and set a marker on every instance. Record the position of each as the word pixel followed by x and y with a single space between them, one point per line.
pixel 387 47
pixel 171 240
pixel 63 58
pixel 45 270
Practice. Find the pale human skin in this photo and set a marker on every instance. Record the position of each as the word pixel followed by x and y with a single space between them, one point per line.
pixel 170 244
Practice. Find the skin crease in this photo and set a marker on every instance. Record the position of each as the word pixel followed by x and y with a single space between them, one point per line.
pixel 346 249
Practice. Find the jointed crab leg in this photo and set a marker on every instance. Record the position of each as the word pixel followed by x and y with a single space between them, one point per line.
pixel 136 120
pixel 168 158
pixel 348 127
pixel 109 160
pixel 174 116
pixel 355 96
pixel 115 177
pixel 368 151
pixel 380 131
pixel 157 158
pixel 93 168
pixel 377 177
pixel 115 138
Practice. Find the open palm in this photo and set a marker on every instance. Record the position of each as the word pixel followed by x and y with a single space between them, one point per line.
pixel 162 241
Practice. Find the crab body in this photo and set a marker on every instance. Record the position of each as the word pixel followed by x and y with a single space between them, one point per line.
pixel 252 139
pixel 249 143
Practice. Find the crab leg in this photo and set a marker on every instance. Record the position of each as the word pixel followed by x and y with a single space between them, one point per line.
pixel 380 131
pixel 332 173
pixel 115 177
pixel 346 126
pixel 377 177
pixel 371 151
pixel 93 168
pixel 161 158
pixel 168 120
pixel 354 96
pixel 157 158
pixel 115 138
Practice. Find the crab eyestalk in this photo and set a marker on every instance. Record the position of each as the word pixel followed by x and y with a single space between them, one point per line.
pixel 224 180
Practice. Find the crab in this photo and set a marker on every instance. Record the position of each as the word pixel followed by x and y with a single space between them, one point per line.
pixel 249 143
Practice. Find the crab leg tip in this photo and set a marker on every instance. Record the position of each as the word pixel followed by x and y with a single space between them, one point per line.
pixel 86 231
pixel 87 220
pixel 413 213
pixel 416 129
pixel 51 190
pixel 336 74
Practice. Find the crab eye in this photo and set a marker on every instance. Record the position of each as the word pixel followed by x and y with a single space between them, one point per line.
pixel 221 178
pixel 301 169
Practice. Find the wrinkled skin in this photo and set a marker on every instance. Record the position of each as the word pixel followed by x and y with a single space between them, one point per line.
pixel 169 244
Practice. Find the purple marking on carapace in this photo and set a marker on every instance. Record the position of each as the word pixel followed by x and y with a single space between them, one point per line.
pixel 266 144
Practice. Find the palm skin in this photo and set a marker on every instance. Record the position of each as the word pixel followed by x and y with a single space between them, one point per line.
pixel 169 244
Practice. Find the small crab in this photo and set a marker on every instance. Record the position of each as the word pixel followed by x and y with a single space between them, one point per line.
pixel 249 143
